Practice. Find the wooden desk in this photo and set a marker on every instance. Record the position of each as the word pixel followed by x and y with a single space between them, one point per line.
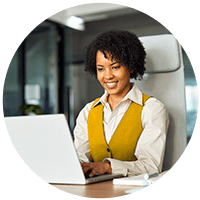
pixel 103 189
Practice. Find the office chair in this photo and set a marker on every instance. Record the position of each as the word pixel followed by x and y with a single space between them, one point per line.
pixel 164 79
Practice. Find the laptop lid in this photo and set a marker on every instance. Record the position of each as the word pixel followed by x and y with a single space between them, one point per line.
pixel 45 144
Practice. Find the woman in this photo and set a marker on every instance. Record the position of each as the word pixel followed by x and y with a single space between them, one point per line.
pixel 124 131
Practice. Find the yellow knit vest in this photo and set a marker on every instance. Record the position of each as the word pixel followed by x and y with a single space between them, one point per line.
pixel 123 142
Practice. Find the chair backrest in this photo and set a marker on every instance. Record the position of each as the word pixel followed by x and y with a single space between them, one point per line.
pixel 164 79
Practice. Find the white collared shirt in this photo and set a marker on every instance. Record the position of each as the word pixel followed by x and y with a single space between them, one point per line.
pixel 151 144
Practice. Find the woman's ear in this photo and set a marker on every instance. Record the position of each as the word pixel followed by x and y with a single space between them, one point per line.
pixel 131 71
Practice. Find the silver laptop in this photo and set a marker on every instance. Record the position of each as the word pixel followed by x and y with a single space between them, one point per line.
pixel 45 143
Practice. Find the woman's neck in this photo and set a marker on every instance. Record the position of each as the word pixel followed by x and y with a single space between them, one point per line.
pixel 114 100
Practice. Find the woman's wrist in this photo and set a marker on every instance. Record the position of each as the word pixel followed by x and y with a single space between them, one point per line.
pixel 108 167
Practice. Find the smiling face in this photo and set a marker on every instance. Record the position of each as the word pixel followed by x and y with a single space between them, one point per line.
pixel 112 75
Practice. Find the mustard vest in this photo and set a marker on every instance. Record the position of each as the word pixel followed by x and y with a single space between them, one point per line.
pixel 123 142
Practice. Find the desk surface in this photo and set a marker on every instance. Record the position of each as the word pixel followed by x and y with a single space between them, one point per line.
pixel 103 189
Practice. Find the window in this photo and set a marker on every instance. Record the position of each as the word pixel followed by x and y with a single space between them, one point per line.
pixel 32 76
pixel 13 88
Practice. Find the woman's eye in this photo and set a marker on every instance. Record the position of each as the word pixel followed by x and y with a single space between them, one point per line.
pixel 116 67
pixel 100 69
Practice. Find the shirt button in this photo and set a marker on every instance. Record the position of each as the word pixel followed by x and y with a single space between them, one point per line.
pixel 108 150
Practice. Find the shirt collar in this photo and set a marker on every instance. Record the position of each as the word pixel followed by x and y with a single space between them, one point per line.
pixel 102 100
pixel 134 95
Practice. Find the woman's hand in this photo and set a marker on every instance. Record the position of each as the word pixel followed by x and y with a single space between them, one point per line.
pixel 90 169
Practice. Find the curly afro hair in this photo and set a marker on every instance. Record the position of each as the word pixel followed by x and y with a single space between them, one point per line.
pixel 123 46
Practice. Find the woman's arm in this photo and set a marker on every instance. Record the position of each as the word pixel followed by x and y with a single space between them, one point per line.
pixel 81 141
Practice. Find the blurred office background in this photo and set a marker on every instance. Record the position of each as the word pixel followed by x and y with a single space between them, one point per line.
pixel 48 68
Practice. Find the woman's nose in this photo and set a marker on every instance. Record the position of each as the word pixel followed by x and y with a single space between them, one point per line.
pixel 108 74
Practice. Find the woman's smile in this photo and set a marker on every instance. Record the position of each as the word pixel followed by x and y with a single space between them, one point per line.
pixel 111 85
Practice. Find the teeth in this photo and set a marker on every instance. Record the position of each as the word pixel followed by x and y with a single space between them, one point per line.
pixel 111 84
